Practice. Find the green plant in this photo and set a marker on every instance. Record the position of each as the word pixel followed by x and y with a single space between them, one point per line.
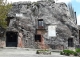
pixel 75 54
pixel 68 52
pixel 78 50
pixel 37 52
pixel 43 52
pixel 62 53
pixel 4 9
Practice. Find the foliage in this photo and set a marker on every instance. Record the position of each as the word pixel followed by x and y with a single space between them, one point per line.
pixel 78 50
pixel 68 52
pixel 43 52
pixel 4 9
pixel 62 53
pixel 75 54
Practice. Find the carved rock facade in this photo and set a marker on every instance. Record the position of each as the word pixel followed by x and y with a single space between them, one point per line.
pixel 32 21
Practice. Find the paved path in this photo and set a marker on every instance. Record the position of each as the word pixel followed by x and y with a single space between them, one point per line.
pixel 28 55
pixel 25 53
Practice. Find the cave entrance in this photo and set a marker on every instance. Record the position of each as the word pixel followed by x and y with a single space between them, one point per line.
pixel 70 42
pixel 11 39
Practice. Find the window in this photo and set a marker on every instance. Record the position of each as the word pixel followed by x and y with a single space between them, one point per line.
pixel 40 23
pixel 70 42
pixel 37 38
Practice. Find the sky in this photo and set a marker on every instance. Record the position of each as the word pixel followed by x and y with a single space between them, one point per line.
pixel 75 5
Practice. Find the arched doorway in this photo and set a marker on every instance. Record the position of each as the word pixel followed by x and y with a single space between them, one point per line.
pixel 11 39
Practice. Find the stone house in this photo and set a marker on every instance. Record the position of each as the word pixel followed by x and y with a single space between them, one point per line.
pixel 42 24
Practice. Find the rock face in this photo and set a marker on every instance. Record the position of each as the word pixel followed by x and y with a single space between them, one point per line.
pixel 2 39
pixel 24 18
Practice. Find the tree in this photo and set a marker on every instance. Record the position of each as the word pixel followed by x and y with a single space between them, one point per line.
pixel 4 9
pixel 72 12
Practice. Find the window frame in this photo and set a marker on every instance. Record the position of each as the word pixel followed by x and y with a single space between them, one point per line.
pixel 40 23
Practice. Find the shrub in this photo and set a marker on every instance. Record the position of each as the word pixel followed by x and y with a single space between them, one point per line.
pixel 78 50
pixel 37 52
pixel 68 52
pixel 43 52
pixel 75 54
pixel 62 53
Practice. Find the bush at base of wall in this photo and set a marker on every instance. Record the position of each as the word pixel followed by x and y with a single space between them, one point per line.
pixel 69 52
pixel 78 51
pixel 45 52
